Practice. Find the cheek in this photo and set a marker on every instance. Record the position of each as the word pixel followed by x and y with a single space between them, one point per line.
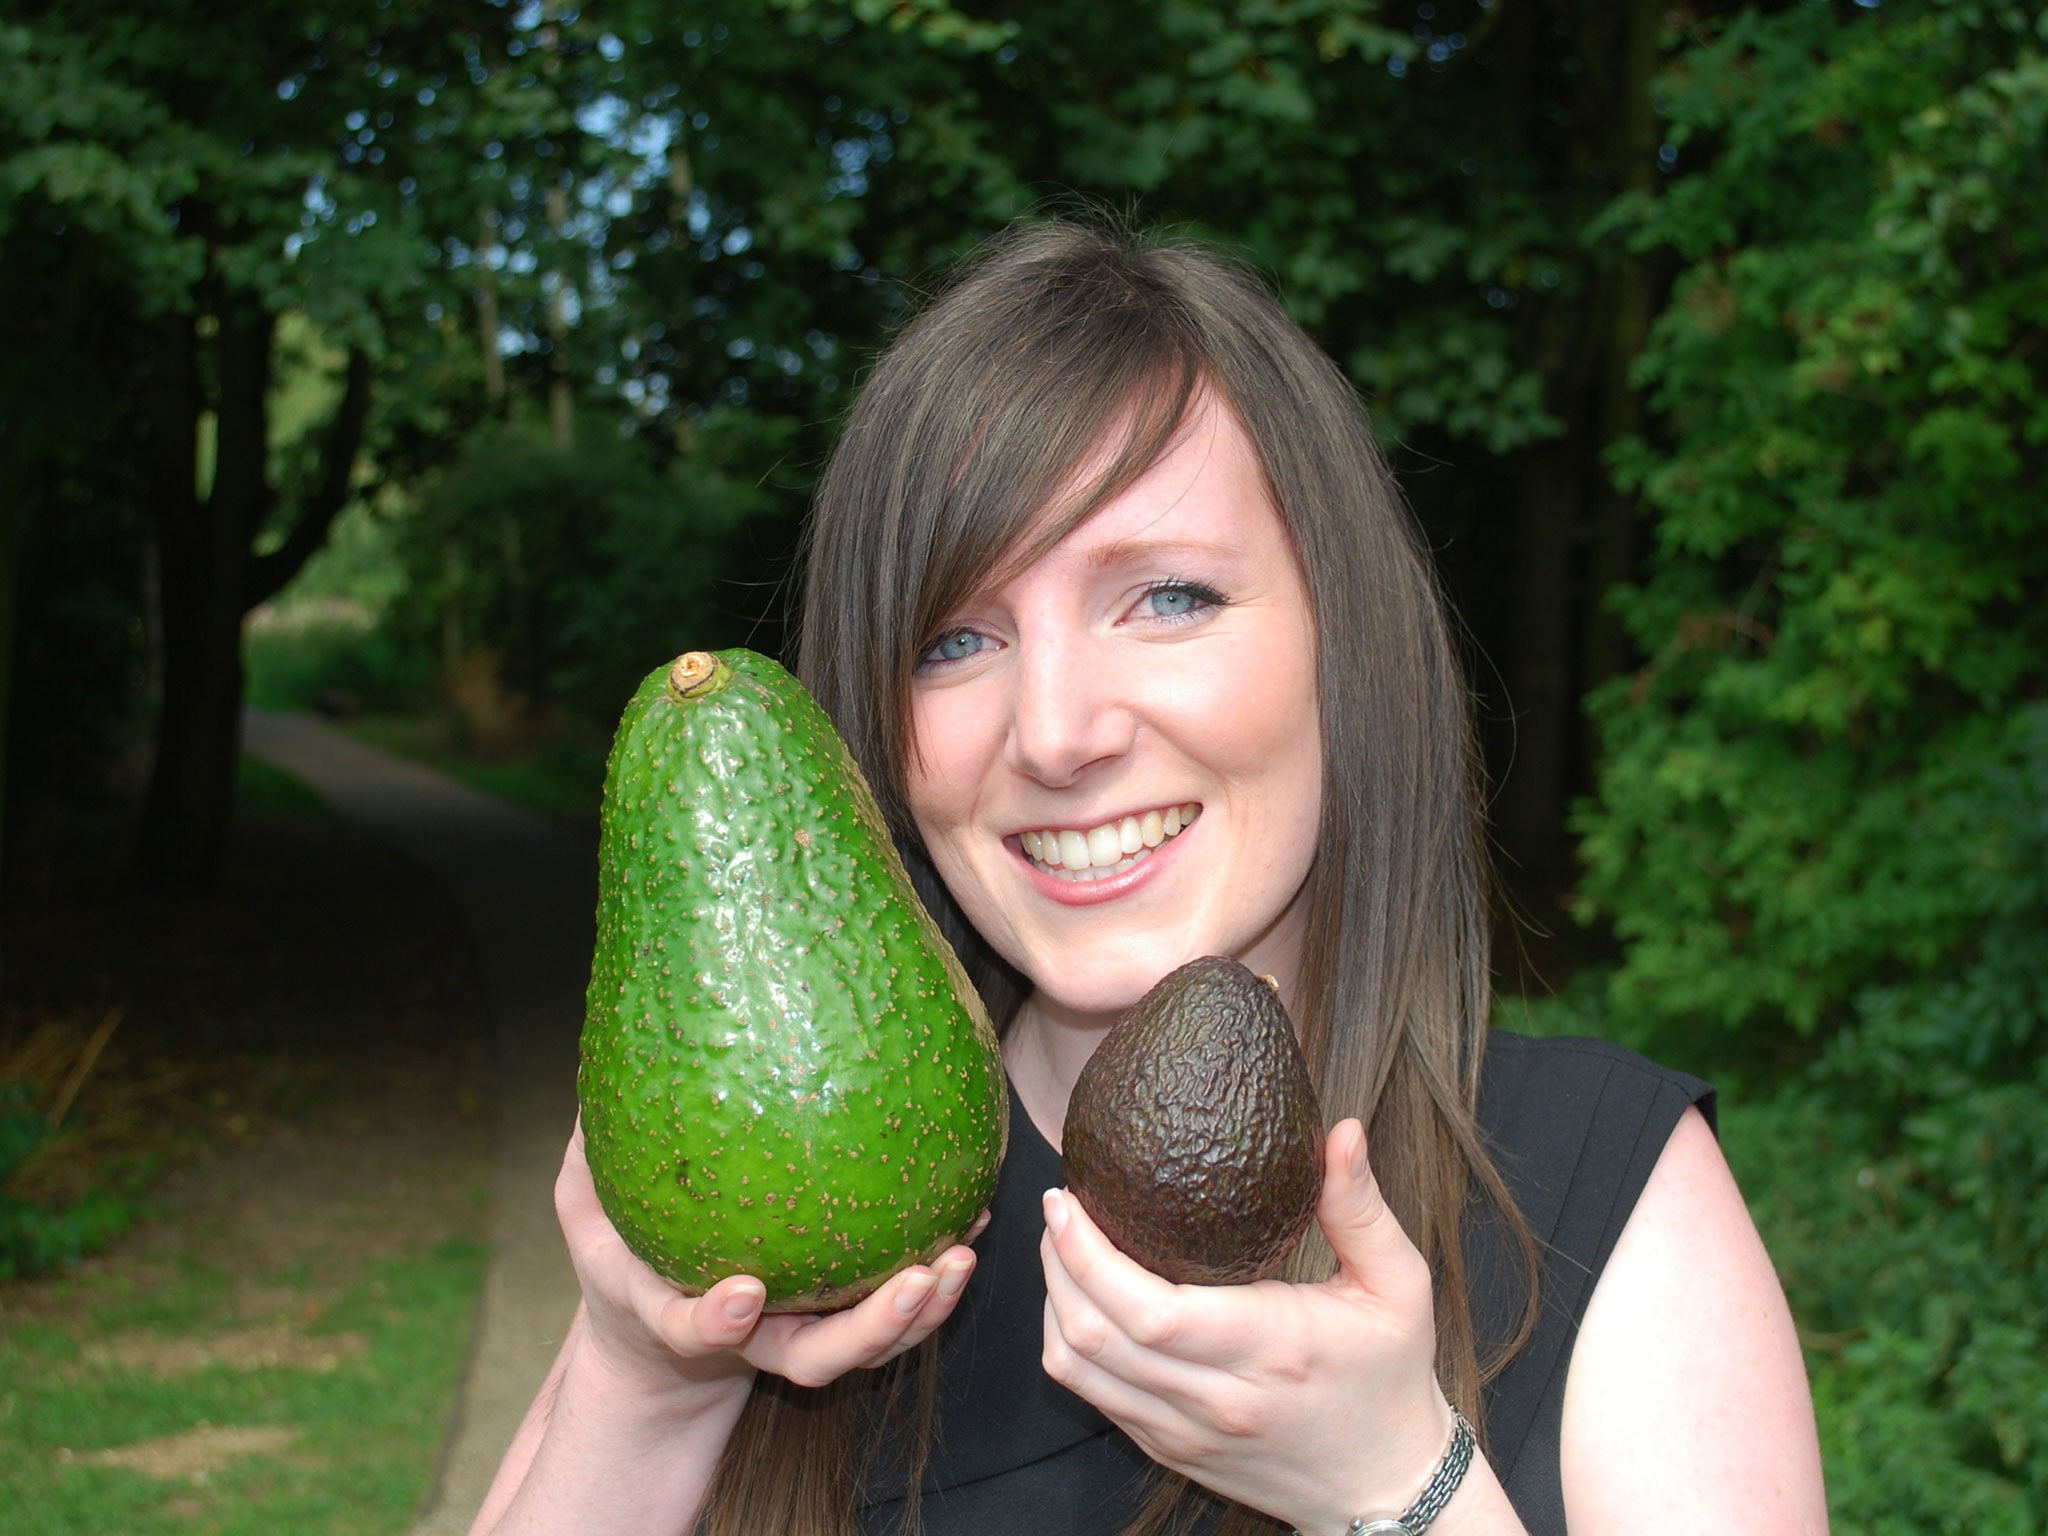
pixel 941 775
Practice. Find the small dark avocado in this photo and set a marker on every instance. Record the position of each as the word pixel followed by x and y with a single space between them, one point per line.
pixel 1193 1137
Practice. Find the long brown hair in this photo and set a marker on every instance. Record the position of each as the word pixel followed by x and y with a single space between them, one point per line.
pixel 971 424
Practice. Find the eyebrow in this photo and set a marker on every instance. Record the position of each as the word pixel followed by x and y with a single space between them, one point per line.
pixel 1146 551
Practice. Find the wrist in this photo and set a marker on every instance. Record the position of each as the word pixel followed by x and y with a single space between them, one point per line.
pixel 638 1389
pixel 1426 1496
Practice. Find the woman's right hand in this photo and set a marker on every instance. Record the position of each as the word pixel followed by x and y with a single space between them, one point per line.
pixel 655 1338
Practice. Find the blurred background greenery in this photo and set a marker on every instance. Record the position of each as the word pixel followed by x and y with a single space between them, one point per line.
pixel 438 365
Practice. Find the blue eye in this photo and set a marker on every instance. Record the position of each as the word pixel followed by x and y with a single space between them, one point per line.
pixel 954 645
pixel 1181 600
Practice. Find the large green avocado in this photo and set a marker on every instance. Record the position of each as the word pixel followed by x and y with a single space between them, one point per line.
pixel 785 1071
pixel 1193 1136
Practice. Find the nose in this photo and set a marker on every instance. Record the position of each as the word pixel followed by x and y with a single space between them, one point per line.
pixel 1071 713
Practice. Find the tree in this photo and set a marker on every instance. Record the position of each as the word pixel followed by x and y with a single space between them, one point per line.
pixel 1821 823
pixel 200 193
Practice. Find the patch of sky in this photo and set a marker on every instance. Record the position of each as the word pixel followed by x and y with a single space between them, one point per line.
pixel 737 239
pixel 850 157
pixel 612 49
pixel 601 118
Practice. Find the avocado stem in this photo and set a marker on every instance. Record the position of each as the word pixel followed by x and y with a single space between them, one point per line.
pixel 692 672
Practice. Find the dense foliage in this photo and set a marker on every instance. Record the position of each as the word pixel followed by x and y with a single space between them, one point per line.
pixel 1821 832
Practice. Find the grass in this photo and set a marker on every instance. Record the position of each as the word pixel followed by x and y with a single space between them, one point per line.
pixel 276 1342
pixel 337 1439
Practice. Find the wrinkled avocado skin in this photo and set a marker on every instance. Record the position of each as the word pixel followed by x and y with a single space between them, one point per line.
pixel 785 1072
pixel 1193 1137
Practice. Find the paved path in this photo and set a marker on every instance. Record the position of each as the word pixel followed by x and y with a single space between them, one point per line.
pixel 527 889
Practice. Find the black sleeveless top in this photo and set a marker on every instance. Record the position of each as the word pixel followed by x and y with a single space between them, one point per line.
pixel 1575 1127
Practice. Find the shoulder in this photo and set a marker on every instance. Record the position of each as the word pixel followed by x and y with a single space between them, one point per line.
pixel 1525 1075
pixel 1686 1401
pixel 1575 1126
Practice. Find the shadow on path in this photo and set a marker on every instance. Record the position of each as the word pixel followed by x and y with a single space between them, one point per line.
pixel 527 890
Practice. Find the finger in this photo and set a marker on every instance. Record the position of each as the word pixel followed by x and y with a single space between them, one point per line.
pixel 980 1225
pixel 1090 1334
pixel 954 1268
pixel 1373 1250
pixel 812 1350
pixel 1202 1324
pixel 696 1326
pixel 1135 1410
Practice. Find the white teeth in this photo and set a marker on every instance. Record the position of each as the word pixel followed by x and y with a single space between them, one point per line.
pixel 1104 846
pixel 1091 854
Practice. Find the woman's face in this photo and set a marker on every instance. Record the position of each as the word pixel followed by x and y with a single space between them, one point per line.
pixel 1155 670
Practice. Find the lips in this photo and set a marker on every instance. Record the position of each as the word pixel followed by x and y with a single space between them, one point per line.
pixel 1093 853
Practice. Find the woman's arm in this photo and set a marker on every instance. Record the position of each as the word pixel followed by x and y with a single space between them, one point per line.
pixel 628 1428
pixel 597 1454
pixel 1686 1407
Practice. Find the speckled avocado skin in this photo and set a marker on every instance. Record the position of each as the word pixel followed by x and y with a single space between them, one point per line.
pixel 785 1071
pixel 1193 1137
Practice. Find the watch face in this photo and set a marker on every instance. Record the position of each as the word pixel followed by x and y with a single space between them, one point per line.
pixel 1381 1528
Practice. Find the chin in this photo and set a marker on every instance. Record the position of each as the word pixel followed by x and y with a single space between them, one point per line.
pixel 1112 989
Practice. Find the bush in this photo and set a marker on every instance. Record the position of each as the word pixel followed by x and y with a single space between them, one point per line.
pixel 1821 826
pixel 572 572
pixel 36 1235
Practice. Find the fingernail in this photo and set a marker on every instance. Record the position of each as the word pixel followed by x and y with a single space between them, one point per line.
pixel 1361 1159
pixel 911 1294
pixel 742 1304
pixel 1055 1212
pixel 951 1278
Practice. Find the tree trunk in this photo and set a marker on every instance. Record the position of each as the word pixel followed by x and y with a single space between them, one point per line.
pixel 202 552
pixel 210 576
pixel 1625 306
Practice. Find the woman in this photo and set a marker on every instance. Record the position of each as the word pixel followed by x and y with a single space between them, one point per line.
pixel 1118 608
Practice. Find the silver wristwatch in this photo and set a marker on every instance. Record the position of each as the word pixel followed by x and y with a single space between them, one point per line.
pixel 1443 1482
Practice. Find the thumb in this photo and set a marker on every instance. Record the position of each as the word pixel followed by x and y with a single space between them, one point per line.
pixel 1373 1250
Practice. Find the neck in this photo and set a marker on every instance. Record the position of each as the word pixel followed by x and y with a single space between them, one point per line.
pixel 1044 1049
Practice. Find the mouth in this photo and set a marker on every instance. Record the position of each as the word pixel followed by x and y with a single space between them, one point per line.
pixel 1096 853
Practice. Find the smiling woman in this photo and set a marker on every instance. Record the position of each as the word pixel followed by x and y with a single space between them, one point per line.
pixel 1159 658
pixel 1122 616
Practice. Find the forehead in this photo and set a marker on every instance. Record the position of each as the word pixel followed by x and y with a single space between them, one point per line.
pixel 1206 492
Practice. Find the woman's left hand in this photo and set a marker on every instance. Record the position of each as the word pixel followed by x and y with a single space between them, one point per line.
pixel 1311 1403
